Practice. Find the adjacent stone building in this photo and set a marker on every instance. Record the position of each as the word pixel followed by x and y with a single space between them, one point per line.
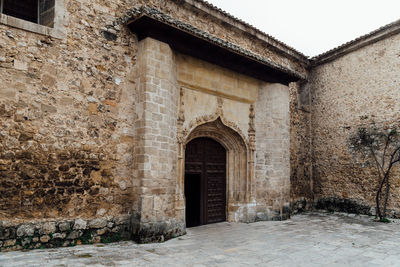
pixel 353 86
pixel 133 119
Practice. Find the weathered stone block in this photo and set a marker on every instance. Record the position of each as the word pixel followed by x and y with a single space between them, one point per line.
pixel 9 243
pixel 102 231
pixel 79 224
pixel 74 234
pixel 7 232
pixel 98 223
pixel 26 230
pixel 44 238
pixel 20 65
pixel 157 232
pixel 48 108
pixel 49 81
pixel 59 235
pixel 47 228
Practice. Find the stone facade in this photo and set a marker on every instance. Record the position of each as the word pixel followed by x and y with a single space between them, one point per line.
pixel 348 92
pixel 96 115
pixel 95 122
pixel 66 143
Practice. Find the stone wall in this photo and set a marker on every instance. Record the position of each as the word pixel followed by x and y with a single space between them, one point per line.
pixel 301 186
pixel 272 162
pixel 349 92
pixel 85 133
pixel 63 233
pixel 66 137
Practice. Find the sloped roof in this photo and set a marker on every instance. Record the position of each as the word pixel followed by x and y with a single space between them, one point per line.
pixel 257 32
pixel 137 13
pixel 348 47
pixel 364 40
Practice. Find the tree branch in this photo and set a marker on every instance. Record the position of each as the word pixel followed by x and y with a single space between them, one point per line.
pixel 387 176
pixel 378 166
pixel 384 150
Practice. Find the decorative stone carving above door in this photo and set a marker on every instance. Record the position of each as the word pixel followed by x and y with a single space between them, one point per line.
pixel 238 141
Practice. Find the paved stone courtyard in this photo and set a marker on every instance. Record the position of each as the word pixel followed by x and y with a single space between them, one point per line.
pixel 311 239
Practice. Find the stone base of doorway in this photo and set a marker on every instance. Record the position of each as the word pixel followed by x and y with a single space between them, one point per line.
pixel 274 215
pixel 149 232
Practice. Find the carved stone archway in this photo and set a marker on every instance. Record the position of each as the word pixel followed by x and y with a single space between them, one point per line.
pixel 239 168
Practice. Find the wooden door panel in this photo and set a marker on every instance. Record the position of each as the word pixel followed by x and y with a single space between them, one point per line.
pixel 216 197
pixel 207 157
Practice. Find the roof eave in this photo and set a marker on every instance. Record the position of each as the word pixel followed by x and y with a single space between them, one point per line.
pixel 186 39
pixel 360 42
pixel 233 21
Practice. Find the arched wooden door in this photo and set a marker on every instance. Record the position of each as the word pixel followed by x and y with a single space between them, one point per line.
pixel 205 182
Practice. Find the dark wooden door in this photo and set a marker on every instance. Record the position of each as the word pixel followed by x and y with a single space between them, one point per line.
pixel 205 182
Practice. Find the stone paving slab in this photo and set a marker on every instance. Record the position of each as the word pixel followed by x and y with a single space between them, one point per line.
pixel 310 239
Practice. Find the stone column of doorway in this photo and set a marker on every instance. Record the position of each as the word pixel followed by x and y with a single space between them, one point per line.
pixel 155 154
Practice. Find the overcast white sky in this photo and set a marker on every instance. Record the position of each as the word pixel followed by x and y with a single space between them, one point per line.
pixel 313 26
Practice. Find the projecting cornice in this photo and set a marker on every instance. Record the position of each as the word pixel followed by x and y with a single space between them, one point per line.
pixel 187 39
pixel 275 44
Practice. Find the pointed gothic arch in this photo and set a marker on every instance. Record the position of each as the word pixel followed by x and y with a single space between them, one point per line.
pixel 239 174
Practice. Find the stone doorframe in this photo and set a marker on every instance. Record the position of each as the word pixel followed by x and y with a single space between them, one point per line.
pixel 241 203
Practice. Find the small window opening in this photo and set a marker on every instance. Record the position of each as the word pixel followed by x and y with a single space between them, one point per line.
pixel 36 11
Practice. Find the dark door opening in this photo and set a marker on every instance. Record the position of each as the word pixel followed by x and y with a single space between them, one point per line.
pixel 192 195
pixel 205 182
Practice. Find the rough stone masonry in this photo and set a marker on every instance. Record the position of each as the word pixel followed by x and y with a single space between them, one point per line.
pixel 96 112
